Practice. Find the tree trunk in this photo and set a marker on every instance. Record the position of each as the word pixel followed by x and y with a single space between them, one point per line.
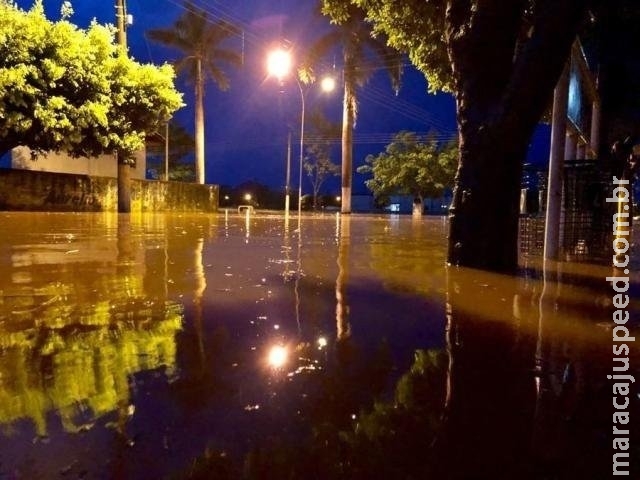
pixel 485 209
pixel 500 97
pixel 124 185
pixel 418 206
pixel 491 391
pixel 348 119
pixel 199 108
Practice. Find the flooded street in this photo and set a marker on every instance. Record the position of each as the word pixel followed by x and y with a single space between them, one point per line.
pixel 212 346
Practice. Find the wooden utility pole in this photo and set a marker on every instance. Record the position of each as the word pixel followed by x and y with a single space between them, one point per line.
pixel 121 17
pixel 124 169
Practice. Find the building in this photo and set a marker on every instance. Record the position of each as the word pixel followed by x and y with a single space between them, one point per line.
pixel 105 165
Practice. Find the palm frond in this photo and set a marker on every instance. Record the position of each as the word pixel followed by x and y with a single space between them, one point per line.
pixel 312 58
pixel 391 59
pixel 228 56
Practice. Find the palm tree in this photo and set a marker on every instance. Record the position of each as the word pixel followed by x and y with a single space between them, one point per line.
pixel 201 41
pixel 359 52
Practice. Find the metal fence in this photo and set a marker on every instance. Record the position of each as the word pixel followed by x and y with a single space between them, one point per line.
pixel 585 221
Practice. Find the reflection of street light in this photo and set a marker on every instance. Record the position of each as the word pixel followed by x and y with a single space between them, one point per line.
pixel 279 64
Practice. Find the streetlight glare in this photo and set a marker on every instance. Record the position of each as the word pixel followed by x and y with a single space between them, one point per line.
pixel 328 84
pixel 279 63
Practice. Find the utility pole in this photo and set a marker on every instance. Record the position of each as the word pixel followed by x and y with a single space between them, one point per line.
pixel 124 169
pixel 287 188
pixel 166 151
pixel 121 16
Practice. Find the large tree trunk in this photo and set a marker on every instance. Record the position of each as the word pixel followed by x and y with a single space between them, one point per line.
pixel 484 212
pixel 199 106
pixel 503 84
pixel 348 119
pixel 491 391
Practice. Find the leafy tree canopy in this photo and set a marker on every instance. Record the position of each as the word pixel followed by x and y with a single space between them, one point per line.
pixel 411 26
pixel 411 165
pixel 502 61
pixel 317 161
pixel 65 88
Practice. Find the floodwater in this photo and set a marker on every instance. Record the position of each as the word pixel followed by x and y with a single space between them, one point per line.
pixel 213 346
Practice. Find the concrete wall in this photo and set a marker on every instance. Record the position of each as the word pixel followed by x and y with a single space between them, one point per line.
pixel 100 166
pixel 64 192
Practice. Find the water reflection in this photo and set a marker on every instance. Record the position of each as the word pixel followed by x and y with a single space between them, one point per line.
pixel 160 331
pixel 77 326
pixel 343 233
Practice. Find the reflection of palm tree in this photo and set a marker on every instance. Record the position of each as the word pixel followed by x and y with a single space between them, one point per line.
pixel 200 41
pixel 343 327
pixel 200 286
pixel 354 37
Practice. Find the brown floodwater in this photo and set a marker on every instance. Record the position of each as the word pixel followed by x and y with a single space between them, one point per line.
pixel 225 346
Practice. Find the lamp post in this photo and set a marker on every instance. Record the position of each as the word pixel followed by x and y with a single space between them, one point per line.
pixel 279 65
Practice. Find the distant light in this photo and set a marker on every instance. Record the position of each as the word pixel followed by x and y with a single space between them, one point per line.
pixel 278 356
pixel 338 198
pixel 226 197
pixel 322 342
pixel 279 63
pixel 328 84
pixel 247 197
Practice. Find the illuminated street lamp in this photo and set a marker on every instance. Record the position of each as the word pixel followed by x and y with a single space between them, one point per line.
pixel 328 84
pixel 279 65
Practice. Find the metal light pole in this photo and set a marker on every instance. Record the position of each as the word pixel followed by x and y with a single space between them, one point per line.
pixel 301 152
pixel 279 65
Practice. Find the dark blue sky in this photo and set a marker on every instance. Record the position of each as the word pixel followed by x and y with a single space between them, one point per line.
pixel 246 127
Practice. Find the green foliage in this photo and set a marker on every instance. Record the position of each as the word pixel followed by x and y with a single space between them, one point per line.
pixel 412 166
pixel 391 440
pixel 64 88
pixel 413 26
pixel 181 145
pixel 317 161
pixel 201 42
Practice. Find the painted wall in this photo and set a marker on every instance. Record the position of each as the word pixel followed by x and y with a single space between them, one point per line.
pixel 63 192
pixel 100 166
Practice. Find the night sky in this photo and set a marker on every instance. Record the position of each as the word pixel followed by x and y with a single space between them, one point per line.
pixel 246 127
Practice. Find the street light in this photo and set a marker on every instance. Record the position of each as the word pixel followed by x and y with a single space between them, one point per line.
pixel 279 64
